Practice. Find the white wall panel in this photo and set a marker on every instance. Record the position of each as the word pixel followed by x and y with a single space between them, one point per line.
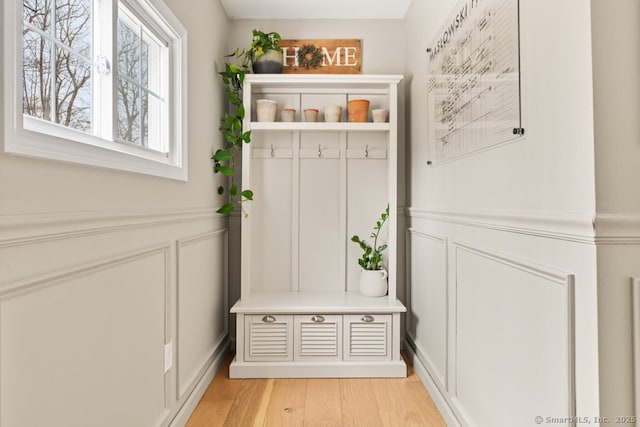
pixel 428 315
pixel 271 245
pixel 93 334
pixel 202 304
pixel 514 338
pixel 320 213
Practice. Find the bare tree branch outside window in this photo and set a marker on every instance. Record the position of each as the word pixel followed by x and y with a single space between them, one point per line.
pixel 57 67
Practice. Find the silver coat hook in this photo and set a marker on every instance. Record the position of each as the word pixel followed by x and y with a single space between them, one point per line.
pixel 319 151
pixel 366 151
pixel 273 151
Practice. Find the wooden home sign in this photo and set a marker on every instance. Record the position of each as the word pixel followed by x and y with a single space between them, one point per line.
pixel 315 56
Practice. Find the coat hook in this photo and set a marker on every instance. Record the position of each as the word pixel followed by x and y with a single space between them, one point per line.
pixel 366 151
pixel 319 151
pixel 273 152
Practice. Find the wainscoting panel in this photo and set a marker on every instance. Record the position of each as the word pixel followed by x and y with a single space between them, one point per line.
pixel 85 346
pixel 202 305
pixel 427 319
pixel 514 342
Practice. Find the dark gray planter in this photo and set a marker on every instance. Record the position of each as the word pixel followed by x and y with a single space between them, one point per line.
pixel 269 63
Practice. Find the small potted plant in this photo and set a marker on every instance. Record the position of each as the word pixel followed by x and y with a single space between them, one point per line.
pixel 373 277
pixel 265 53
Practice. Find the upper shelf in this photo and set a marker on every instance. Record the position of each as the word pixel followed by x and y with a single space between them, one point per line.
pixel 321 126
pixel 323 80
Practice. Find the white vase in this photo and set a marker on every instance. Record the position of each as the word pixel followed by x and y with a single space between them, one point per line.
pixel 380 115
pixel 373 283
pixel 266 110
pixel 332 113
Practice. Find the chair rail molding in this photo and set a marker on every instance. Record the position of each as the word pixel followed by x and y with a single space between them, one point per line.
pixel 617 229
pixel 577 227
pixel 16 230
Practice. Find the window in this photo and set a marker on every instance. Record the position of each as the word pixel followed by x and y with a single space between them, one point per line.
pixel 97 82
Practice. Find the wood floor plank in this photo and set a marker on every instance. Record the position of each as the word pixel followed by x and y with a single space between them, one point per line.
pixel 397 407
pixel 245 407
pixel 359 406
pixel 322 406
pixel 315 402
pixel 287 405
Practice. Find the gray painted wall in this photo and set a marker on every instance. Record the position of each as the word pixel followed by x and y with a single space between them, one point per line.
pixel 99 269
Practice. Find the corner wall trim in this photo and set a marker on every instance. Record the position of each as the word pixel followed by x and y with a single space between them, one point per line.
pixel 635 298
pixel 436 395
pixel 191 400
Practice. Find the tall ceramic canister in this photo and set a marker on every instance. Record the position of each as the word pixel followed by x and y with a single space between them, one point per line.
pixel 266 110
pixel 358 110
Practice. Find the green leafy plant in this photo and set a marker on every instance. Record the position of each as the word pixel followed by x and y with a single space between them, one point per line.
pixel 372 255
pixel 231 127
pixel 234 136
pixel 260 44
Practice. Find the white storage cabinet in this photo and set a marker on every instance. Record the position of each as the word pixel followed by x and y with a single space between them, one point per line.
pixel 300 313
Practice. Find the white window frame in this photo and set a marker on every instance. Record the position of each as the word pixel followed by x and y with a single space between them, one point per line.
pixel 32 137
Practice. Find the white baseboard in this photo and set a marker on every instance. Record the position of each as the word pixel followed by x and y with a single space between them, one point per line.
pixel 430 385
pixel 194 397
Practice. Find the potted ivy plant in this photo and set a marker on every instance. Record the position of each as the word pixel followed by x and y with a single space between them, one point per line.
pixel 373 277
pixel 234 137
pixel 266 53
pixel 260 56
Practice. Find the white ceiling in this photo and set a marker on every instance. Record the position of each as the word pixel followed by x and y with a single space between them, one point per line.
pixel 316 9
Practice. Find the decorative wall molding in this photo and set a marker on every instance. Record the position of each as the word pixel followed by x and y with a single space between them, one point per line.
pixel 559 277
pixel 14 289
pixel 617 229
pixel 182 392
pixel 23 287
pixel 578 228
pixel 600 228
pixel 27 229
pixel 441 379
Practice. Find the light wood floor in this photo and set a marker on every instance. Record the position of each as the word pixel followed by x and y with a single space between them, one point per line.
pixel 367 402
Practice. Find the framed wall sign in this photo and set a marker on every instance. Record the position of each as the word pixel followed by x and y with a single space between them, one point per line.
pixel 322 56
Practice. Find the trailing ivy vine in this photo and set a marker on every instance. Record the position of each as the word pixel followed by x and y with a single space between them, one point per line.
pixel 225 159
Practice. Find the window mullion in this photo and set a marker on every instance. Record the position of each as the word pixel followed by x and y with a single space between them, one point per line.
pixel 140 91
pixel 52 64
pixel 104 89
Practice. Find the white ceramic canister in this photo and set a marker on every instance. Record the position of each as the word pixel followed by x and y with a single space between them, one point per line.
pixel 380 115
pixel 332 113
pixel 266 110
pixel 288 114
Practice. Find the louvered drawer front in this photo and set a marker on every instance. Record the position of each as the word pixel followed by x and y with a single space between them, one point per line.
pixel 368 337
pixel 318 337
pixel 269 337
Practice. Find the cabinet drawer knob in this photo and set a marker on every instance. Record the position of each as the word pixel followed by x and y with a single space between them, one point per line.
pixel 317 319
pixel 367 318
pixel 268 319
